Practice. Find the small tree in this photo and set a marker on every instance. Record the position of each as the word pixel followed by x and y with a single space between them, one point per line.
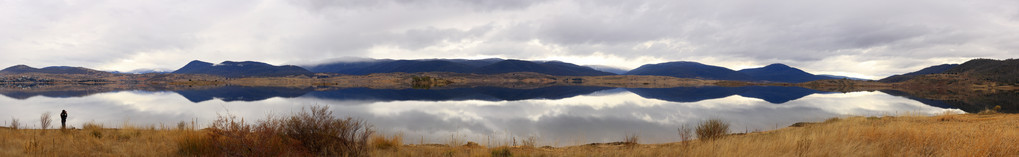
pixel 45 120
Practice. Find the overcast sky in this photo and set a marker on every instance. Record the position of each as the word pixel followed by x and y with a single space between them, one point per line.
pixel 862 38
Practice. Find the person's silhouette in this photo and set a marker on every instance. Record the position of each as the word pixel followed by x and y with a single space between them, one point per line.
pixel 63 119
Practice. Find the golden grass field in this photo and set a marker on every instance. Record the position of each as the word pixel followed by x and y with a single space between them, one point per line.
pixel 941 135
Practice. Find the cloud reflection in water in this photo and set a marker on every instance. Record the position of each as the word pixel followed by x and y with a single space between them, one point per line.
pixel 596 116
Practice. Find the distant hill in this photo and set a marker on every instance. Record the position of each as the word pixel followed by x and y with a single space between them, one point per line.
pixel 613 70
pixel 241 69
pixel 689 70
pixel 781 73
pixel 20 69
pixel 483 66
pixel 549 67
pixel 929 70
pixel 1002 71
pixel 844 77
pixel 143 71
pixel 412 66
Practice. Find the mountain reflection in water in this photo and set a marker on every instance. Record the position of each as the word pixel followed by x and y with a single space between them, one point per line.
pixel 573 115
pixel 771 94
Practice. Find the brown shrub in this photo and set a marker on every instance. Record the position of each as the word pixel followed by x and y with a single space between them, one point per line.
pixel 230 136
pixel 712 129
pixel 312 132
pixel 323 134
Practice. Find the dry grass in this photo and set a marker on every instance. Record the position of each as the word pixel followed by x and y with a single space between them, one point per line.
pixel 72 142
pixel 381 142
pixel 947 134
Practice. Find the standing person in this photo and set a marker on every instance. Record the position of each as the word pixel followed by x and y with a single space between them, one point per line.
pixel 63 119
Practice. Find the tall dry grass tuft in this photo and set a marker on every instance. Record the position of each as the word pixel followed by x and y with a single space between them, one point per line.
pixel 93 128
pixel 631 139
pixel 194 143
pixel 381 142
pixel 530 142
pixel 712 129
pixel 685 133
pixel 501 152
pixel 45 120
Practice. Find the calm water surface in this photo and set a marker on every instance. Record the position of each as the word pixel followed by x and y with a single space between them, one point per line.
pixel 558 116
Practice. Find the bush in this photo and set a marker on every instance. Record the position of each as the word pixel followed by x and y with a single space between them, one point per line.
pixel 312 132
pixel 712 129
pixel 230 136
pixel 323 134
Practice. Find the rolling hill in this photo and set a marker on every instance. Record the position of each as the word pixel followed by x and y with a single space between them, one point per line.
pixel 609 69
pixel 781 73
pixel 20 69
pixel 241 69
pixel 1002 71
pixel 771 73
pixel 928 70
pixel 685 69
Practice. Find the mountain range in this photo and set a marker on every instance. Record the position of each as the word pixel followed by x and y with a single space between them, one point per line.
pixel 771 73
pixel 1006 71
pixel 483 66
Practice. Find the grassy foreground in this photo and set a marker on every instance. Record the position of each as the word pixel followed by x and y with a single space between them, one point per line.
pixel 941 135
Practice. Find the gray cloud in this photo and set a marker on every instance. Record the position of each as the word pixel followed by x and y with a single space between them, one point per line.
pixel 870 38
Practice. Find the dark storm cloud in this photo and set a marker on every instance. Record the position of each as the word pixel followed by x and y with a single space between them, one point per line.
pixel 869 38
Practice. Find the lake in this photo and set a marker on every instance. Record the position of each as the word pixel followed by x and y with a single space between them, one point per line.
pixel 557 115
